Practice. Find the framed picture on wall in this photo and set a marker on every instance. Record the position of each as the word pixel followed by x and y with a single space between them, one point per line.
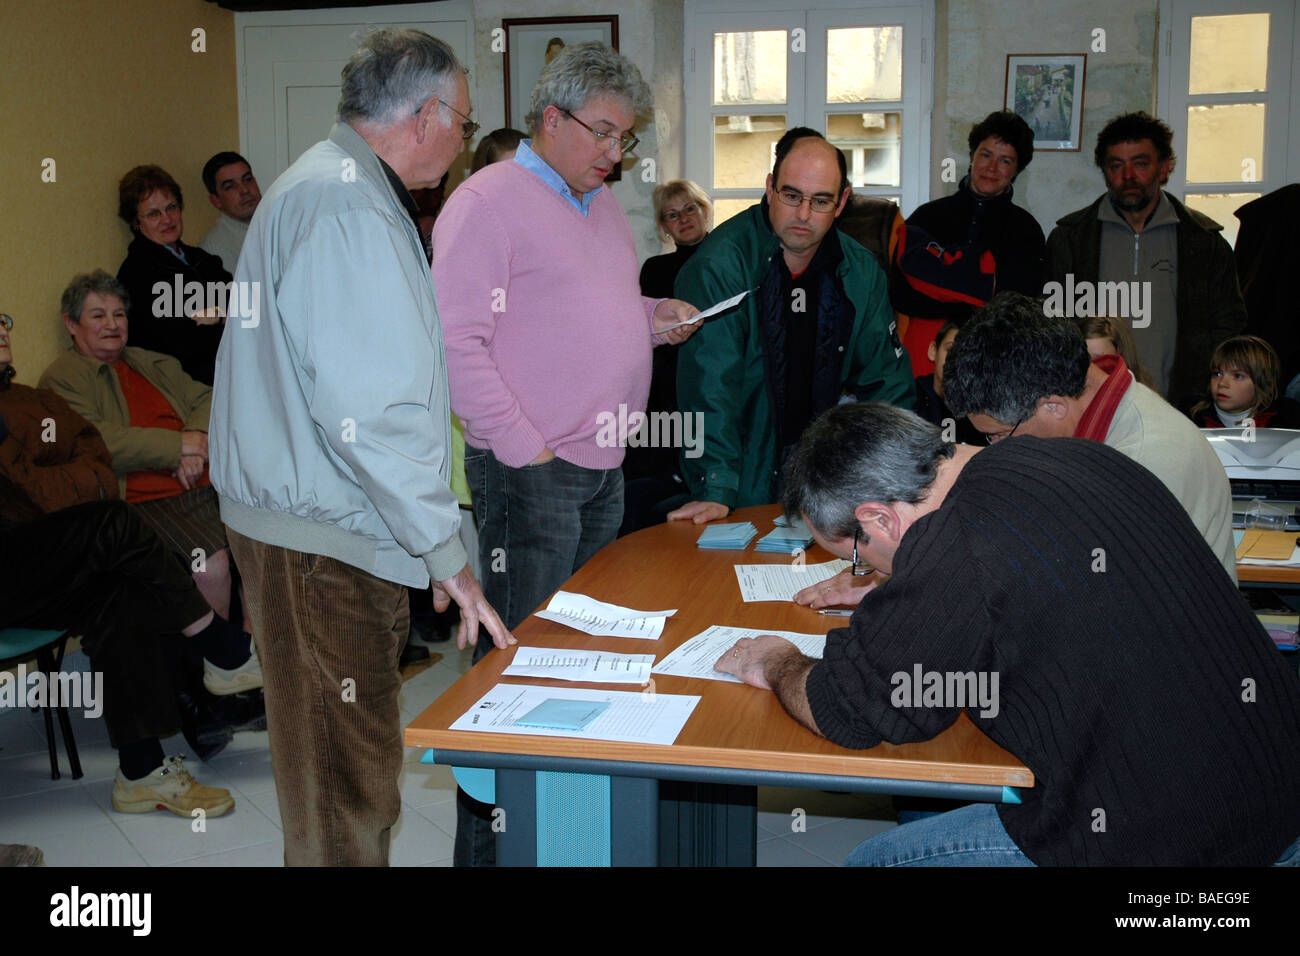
pixel 533 42
pixel 1046 91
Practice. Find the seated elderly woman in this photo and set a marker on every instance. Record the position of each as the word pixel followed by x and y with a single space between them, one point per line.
pixel 149 201
pixel 154 419
pixel 75 557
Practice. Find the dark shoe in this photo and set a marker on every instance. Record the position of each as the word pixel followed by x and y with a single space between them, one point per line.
pixel 206 735
pixel 413 653
pixel 236 712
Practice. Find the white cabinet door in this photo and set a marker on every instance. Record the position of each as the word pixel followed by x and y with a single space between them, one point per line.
pixel 289 65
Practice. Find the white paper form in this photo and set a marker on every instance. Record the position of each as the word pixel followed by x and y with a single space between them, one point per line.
pixel 696 657
pixel 604 620
pixel 722 306
pixel 780 582
pixel 632 716
pixel 597 667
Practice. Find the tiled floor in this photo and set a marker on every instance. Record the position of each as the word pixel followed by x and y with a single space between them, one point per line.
pixel 74 824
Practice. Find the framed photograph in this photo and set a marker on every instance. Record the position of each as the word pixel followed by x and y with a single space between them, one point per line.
pixel 1046 91
pixel 533 42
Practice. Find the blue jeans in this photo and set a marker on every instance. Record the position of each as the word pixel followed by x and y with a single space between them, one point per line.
pixel 537 525
pixel 972 835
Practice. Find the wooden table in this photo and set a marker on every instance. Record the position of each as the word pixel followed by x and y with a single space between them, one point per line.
pixel 737 738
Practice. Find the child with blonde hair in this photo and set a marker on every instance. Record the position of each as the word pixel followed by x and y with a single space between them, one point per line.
pixel 1244 386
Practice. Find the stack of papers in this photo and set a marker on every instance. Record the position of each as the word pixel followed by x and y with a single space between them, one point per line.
pixel 597 667
pixel 604 620
pixel 727 537
pixel 785 540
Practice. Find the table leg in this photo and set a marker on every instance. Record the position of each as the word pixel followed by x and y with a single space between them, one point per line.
pixel 550 818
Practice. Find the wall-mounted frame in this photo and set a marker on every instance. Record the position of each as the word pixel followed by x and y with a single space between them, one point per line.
pixel 1046 91
pixel 530 42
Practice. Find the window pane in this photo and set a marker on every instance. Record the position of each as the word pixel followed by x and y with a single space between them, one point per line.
pixel 1229 54
pixel 864 63
pixel 749 67
pixel 742 150
pixel 1220 207
pixel 1222 139
pixel 724 209
pixel 872 144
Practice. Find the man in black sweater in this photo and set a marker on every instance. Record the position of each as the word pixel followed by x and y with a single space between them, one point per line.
pixel 1097 636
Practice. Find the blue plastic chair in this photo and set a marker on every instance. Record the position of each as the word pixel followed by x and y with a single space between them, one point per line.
pixel 18 643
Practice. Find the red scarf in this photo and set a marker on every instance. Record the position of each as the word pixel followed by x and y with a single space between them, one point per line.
pixel 1095 421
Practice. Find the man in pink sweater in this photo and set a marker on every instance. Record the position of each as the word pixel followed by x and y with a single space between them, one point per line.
pixel 548 339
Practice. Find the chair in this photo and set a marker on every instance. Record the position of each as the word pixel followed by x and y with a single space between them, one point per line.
pixel 17 643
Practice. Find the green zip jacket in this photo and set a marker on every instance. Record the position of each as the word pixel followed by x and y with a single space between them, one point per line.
pixel 722 371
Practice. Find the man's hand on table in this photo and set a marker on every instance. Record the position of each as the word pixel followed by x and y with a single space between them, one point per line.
pixel 670 312
pixel 842 589
pixel 749 657
pixel 463 588
pixel 700 512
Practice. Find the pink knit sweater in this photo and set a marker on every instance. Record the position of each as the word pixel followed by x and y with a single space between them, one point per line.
pixel 543 317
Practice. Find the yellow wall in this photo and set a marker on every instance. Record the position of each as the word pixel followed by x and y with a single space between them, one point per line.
pixel 99 87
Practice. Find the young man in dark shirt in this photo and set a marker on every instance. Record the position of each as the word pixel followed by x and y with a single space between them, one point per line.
pixel 1081 579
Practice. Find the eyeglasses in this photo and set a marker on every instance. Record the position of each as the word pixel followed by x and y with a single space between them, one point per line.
pixel 7 321
pixel 153 215
pixel 626 143
pixel 859 570
pixel 792 197
pixel 467 128
pixel 994 437
pixel 690 209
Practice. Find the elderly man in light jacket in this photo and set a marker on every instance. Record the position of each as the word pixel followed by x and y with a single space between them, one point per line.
pixel 330 443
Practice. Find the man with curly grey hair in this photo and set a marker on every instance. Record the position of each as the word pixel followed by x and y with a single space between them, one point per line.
pixel 330 444
pixel 536 270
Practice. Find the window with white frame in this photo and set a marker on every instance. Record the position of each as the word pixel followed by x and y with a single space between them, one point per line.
pixel 1228 90
pixel 860 74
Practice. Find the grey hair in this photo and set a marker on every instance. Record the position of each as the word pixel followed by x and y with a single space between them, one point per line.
pixel 392 73
pixel 584 71
pixel 74 296
pixel 860 452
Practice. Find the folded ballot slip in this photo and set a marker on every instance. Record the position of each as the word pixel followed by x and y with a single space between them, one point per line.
pixel 733 536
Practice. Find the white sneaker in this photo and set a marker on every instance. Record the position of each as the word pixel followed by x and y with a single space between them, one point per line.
pixel 221 682
pixel 170 787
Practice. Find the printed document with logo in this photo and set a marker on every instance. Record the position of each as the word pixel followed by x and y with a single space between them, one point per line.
pixel 596 667
pixel 604 620
pixel 631 716
pixel 780 582
pixel 696 657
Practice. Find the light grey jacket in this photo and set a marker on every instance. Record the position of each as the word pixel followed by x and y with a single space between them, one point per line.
pixel 330 427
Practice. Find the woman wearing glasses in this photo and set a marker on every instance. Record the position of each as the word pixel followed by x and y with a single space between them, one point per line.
pixel 652 486
pixel 179 323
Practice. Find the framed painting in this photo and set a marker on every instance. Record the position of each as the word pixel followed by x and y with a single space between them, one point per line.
pixel 1046 91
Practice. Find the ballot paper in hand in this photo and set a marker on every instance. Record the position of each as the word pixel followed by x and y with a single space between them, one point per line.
pixel 696 657
pixel 780 582
pixel 597 667
pixel 722 306
pixel 604 620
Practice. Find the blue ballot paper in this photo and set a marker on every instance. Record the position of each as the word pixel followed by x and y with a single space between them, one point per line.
pixel 727 537
pixel 559 714
pixel 785 540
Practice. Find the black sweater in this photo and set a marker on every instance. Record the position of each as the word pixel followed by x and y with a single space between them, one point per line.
pixel 1121 689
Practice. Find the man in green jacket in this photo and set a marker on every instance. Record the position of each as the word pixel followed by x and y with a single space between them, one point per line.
pixel 815 329
pixel 1185 297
